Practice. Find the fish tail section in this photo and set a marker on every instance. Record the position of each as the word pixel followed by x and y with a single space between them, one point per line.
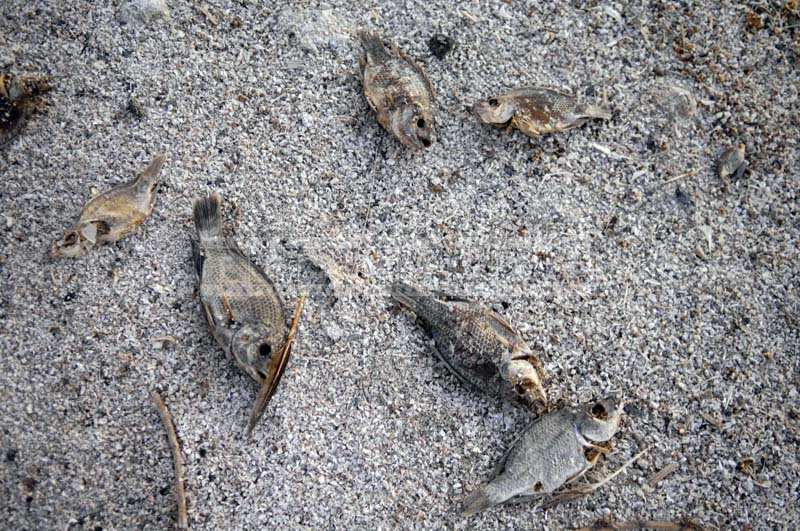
pixel 373 46
pixel 593 111
pixel 481 499
pixel 407 295
pixel 207 217
pixel 149 176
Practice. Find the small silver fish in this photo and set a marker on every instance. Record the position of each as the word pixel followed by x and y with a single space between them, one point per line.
pixel 477 345
pixel 537 111
pixel 240 303
pixel 732 162
pixel 550 452
pixel 398 90
pixel 112 215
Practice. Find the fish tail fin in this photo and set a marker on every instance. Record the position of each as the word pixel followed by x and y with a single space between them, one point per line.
pixel 593 111
pixel 406 295
pixel 207 217
pixel 150 174
pixel 480 500
pixel 373 46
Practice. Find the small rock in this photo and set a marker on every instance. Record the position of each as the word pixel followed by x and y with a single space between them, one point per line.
pixel 143 11
pixel 440 45
pixel 135 109
pixel 333 331
pixel 316 29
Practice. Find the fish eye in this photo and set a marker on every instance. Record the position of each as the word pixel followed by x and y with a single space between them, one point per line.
pixel 71 239
pixel 420 122
pixel 265 349
pixel 493 102
pixel 599 411
pixel 425 142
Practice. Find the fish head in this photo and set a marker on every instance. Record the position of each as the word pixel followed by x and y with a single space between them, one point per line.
pixel 600 421
pixel 414 126
pixel 76 241
pixel 253 347
pixel 497 110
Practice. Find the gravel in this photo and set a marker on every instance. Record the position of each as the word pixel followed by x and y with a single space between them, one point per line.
pixel 614 248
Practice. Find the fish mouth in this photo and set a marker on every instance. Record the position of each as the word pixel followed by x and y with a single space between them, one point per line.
pixel 69 246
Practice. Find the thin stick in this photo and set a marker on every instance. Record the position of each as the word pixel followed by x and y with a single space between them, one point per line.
pixel 679 177
pixel 180 471
pixel 276 369
pixel 659 476
pixel 660 525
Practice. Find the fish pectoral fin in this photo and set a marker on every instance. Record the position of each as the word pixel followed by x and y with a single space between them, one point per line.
pixel 500 324
pixel 446 351
pixel 210 319
pixel 501 464
pixel 228 310
pixel 276 369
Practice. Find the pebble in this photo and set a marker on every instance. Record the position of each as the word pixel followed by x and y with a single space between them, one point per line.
pixel 143 11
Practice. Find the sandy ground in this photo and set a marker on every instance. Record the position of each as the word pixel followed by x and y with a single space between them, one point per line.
pixel 614 248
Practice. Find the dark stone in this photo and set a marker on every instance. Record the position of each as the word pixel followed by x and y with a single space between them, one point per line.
pixel 440 45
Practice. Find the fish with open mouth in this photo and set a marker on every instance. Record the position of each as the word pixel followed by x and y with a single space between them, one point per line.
pixel 537 111
pixel 555 449
pixel 112 215
pixel 240 303
pixel 399 91
pixel 477 345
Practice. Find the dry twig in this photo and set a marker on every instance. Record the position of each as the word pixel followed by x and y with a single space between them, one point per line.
pixel 659 476
pixel 180 471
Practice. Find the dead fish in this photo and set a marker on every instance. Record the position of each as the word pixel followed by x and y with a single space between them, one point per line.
pixel 732 162
pixel 537 111
pixel 19 95
pixel 555 449
pixel 112 215
pixel 240 303
pixel 398 89
pixel 477 345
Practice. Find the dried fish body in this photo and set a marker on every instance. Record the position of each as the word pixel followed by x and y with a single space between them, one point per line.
pixel 550 452
pixel 537 111
pixel 112 215
pixel 399 91
pixel 242 307
pixel 477 345
pixel 240 303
